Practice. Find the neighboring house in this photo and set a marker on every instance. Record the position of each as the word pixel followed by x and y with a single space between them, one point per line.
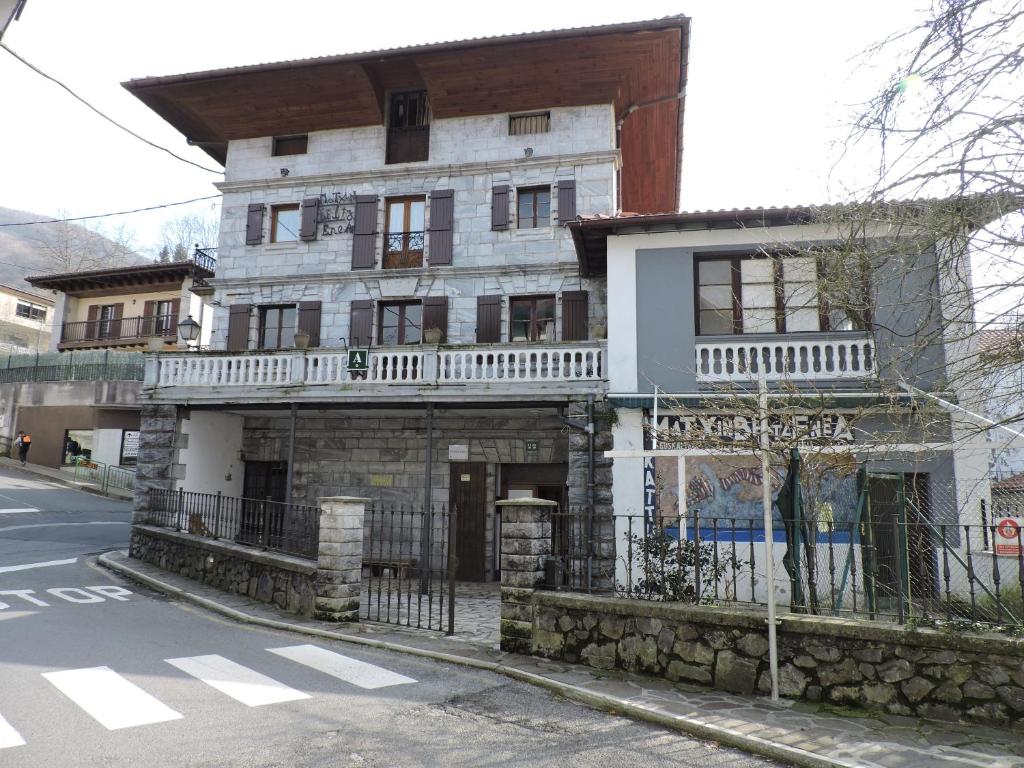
pixel 408 228
pixel 80 401
pixel 1001 357
pixel 127 307
pixel 704 300
pixel 24 320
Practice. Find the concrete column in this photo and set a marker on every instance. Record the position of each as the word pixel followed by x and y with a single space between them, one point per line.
pixel 157 462
pixel 340 558
pixel 525 546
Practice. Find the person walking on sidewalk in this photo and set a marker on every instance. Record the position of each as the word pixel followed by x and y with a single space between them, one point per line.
pixel 24 442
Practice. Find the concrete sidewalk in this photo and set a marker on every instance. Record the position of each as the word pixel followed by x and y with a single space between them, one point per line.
pixel 66 477
pixel 798 733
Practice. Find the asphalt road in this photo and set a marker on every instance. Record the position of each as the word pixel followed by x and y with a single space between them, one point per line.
pixel 97 671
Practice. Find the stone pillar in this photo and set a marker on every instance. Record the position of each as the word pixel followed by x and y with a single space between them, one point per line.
pixel 525 546
pixel 158 446
pixel 340 558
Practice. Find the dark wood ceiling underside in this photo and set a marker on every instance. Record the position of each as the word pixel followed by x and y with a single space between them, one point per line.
pixel 624 68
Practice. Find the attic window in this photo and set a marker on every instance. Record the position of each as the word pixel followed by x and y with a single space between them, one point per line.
pixel 290 145
pixel 535 122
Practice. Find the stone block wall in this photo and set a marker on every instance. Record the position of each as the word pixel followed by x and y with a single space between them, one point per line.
pixel 158 451
pixel 866 665
pixel 281 580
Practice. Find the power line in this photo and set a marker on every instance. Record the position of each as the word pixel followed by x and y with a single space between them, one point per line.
pixel 106 117
pixel 105 215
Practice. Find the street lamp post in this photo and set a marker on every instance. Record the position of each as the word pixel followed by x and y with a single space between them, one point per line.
pixel 189 330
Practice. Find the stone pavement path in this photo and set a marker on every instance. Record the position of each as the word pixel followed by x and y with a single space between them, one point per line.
pixel 801 733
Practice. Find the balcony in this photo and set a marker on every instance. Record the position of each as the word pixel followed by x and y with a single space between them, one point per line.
pixel 466 372
pixel 793 358
pixel 124 331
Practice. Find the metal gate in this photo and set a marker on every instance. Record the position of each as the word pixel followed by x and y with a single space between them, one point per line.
pixel 409 567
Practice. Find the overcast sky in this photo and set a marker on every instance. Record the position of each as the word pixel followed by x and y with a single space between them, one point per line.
pixel 771 87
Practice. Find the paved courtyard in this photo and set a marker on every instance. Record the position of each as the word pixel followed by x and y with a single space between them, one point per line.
pixel 477 608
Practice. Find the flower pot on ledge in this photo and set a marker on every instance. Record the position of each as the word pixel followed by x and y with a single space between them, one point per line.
pixel 431 335
pixel 301 340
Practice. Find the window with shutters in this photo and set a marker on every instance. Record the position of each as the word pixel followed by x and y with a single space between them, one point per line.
pixel 533 206
pixel 290 145
pixel 400 322
pixel 277 327
pixel 108 321
pixel 403 243
pixel 163 324
pixel 30 311
pixel 532 318
pixel 408 127
pixel 284 223
pixel 535 122
pixel 757 294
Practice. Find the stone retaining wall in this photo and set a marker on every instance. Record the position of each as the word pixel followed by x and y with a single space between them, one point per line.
pixel 873 666
pixel 285 581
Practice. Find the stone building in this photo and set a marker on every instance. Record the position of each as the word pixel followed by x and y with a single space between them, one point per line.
pixel 399 312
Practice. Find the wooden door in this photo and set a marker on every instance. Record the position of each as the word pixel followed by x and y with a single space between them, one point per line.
pixel 468 498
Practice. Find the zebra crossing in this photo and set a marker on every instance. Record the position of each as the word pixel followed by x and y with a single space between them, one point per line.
pixel 115 702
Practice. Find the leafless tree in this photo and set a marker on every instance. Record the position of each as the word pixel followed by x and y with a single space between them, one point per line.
pixel 180 235
pixel 66 246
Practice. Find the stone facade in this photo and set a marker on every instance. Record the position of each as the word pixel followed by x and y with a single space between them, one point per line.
pixel 879 667
pixel 525 544
pixel 281 580
pixel 340 559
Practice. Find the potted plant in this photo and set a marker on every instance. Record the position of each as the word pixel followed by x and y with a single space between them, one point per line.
pixel 431 335
pixel 301 339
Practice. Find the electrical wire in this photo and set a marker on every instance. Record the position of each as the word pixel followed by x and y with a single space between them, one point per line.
pixel 106 117
pixel 105 215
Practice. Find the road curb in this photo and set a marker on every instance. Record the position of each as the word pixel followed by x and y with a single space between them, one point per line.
pixel 604 702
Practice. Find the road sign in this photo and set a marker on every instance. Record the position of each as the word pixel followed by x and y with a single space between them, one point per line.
pixel 358 359
pixel 1009 532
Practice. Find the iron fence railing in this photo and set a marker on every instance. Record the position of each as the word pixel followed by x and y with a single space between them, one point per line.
pixel 409 566
pixel 99 365
pixel 120 329
pixel 105 476
pixel 293 529
pixel 886 570
pixel 205 258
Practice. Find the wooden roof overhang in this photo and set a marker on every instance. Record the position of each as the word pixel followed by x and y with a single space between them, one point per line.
pixel 638 67
pixel 590 236
pixel 139 278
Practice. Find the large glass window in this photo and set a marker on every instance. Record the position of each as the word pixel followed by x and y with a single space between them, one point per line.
pixel 30 311
pixel 108 316
pixel 284 223
pixel 757 294
pixel 277 327
pixel 534 207
pixel 401 323
pixel 164 322
pixel 532 318
pixel 403 246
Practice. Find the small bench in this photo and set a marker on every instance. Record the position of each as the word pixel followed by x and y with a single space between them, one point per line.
pixel 399 567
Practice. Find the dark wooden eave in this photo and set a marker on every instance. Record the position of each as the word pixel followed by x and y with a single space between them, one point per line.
pixel 140 276
pixel 590 236
pixel 639 67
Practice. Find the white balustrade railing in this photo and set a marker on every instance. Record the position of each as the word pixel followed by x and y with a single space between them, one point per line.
pixel 786 359
pixel 401 365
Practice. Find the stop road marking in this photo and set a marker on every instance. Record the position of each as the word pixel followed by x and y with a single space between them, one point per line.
pixel 79 595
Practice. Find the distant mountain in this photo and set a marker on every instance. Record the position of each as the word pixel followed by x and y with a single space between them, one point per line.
pixel 46 248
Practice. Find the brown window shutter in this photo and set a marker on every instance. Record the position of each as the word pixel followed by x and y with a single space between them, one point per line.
pixel 364 239
pixel 435 314
pixel 566 201
pixel 310 208
pixel 254 224
pixel 360 332
pixel 488 319
pixel 115 326
pixel 92 330
pixel 149 318
pixel 175 311
pixel 309 321
pixel 442 211
pixel 238 327
pixel 499 207
pixel 574 316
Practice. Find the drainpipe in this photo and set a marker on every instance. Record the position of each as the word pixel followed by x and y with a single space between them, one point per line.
pixel 291 455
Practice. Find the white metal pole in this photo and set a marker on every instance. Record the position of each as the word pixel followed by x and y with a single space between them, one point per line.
pixel 654 421
pixel 681 492
pixel 769 539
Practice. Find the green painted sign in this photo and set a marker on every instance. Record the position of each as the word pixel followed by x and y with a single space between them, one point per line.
pixel 358 359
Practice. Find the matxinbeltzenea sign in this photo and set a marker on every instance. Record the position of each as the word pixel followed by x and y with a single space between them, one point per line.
pixel 684 429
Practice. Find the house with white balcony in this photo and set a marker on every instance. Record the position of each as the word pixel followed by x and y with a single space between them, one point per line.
pixel 856 344
pixel 399 311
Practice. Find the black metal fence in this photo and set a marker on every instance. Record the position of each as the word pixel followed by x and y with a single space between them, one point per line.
pixel 293 529
pixel 886 570
pixel 409 566
pixel 98 365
